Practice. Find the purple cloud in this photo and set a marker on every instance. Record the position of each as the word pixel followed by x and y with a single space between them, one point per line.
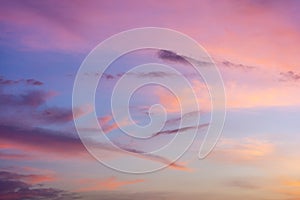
pixel 31 81
pixel 56 115
pixel 232 65
pixel 41 140
pixel 289 76
pixel 32 98
pixel 13 187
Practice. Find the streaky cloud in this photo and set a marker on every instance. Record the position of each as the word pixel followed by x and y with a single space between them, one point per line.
pixel 180 130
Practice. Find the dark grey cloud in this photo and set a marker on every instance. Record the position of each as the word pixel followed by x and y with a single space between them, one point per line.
pixel 171 56
pixel 168 55
pixel 179 130
pixel 289 76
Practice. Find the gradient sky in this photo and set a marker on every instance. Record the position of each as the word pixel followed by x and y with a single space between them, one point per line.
pixel 255 45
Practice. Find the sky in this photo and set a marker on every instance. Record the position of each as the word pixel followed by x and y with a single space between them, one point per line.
pixel 253 44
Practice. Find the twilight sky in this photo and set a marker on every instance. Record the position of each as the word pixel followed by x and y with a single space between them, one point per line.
pixel 255 45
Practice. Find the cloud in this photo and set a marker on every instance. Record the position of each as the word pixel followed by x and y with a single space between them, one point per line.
pixel 54 114
pixel 14 156
pixel 108 76
pixel 232 65
pixel 168 55
pixel 157 158
pixel 111 183
pixel 245 150
pixel 31 81
pixel 289 187
pixel 171 56
pixel 32 98
pixel 29 178
pixel 37 140
pixel 243 184
pixel 32 22
pixel 291 182
pixel 63 145
pixel 106 125
pixel 179 130
pixel 154 74
pixel 259 93
pixel 179 103
pixel 289 76
pixel 15 186
pixel 161 195
pixel 61 115
pixel 30 108
pixel 7 81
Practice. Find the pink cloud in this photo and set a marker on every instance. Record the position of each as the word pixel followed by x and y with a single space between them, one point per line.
pixel 108 126
pixel 111 183
pixel 245 150
pixel 14 156
pixel 247 32
pixel 28 178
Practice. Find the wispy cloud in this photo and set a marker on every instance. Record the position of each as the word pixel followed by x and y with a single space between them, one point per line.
pixel 154 74
pixel 180 130
pixel 108 125
pixel 245 150
pixel 247 184
pixel 14 156
pixel 157 158
pixel 61 115
pixel 30 81
pixel 232 65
